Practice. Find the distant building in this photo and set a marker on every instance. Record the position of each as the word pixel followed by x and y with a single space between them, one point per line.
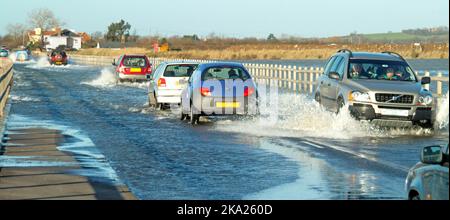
pixel 57 37
pixel 35 35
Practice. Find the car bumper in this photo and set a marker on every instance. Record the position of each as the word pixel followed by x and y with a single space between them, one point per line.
pixel 133 76
pixel 169 96
pixel 209 106
pixel 58 63
pixel 374 112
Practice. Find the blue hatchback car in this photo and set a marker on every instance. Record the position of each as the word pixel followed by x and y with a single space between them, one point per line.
pixel 22 55
pixel 219 89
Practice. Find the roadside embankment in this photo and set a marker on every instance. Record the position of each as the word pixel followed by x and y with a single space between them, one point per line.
pixel 6 82
pixel 33 168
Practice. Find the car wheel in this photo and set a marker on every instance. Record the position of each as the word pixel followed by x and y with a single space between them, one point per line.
pixel 183 116
pixel 317 98
pixel 194 118
pixel 159 106
pixel 341 105
pixel 414 196
pixel 427 125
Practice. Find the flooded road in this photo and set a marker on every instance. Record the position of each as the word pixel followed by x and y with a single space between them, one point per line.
pixel 308 153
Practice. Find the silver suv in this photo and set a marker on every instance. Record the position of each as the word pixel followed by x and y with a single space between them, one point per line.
pixel 378 87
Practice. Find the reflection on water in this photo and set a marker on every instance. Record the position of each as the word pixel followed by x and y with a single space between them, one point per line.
pixel 320 178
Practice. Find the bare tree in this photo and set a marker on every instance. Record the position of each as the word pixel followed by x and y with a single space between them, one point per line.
pixel 17 33
pixel 44 19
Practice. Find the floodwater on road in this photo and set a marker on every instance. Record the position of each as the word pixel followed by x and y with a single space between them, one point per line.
pixel 306 153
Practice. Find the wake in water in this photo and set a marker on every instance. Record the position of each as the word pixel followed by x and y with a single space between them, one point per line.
pixel 16 99
pixel 300 115
pixel 43 63
pixel 107 79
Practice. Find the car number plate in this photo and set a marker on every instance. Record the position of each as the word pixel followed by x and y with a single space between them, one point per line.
pixel 58 63
pixel 135 70
pixel 228 104
pixel 394 112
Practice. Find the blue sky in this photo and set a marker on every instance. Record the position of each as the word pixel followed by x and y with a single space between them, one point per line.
pixel 238 18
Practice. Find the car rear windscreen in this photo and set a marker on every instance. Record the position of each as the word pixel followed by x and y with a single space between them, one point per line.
pixel 181 70
pixel 134 62
pixel 62 53
pixel 224 73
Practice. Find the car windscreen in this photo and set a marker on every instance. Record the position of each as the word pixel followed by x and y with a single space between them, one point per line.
pixel 179 70
pixel 134 62
pixel 224 73
pixel 380 70
pixel 61 53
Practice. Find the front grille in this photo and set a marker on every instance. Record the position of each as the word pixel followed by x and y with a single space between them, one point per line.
pixel 390 98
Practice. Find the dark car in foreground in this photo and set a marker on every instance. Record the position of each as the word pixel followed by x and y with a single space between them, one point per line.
pixel 58 58
pixel 428 180
pixel 219 89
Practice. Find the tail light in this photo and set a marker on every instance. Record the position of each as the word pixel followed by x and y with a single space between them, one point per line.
pixel 149 69
pixel 248 91
pixel 162 82
pixel 124 70
pixel 205 91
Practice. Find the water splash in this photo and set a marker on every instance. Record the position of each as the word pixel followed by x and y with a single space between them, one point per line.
pixel 442 113
pixel 108 79
pixel 302 116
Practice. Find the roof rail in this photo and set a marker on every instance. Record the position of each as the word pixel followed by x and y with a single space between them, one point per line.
pixel 346 51
pixel 394 54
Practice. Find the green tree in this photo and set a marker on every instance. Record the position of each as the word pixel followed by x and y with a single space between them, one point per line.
pixel 271 37
pixel 119 31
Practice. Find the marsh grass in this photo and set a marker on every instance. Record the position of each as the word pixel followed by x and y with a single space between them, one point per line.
pixel 282 51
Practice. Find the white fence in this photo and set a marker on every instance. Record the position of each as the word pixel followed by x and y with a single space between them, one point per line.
pixel 297 79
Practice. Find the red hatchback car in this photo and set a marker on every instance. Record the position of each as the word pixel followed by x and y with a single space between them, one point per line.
pixel 132 68
pixel 58 57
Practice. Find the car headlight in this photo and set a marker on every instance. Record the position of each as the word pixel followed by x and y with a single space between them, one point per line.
pixel 359 96
pixel 426 100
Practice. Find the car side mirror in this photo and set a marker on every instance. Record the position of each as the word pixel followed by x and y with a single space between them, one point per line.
pixel 431 155
pixel 426 80
pixel 334 75
pixel 114 62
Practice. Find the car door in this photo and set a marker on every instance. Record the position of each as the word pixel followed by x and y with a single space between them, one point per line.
pixel 322 83
pixel 439 187
pixel 330 84
pixel 333 89
pixel 187 92
pixel 440 180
